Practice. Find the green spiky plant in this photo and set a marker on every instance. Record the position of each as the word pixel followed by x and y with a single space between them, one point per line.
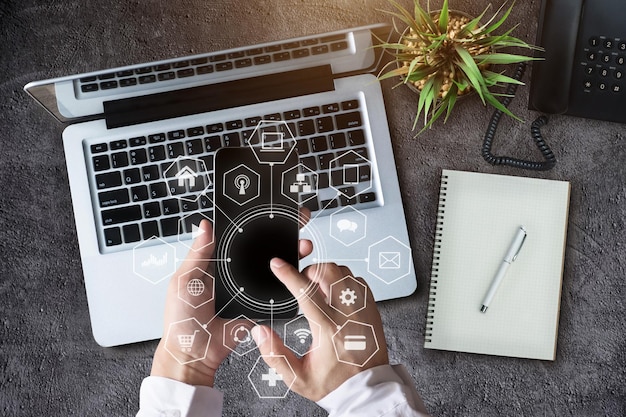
pixel 445 55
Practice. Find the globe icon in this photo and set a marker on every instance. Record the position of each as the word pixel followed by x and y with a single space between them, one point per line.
pixel 195 287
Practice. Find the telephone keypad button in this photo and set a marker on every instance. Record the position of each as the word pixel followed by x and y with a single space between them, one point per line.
pixel 616 88
pixel 622 46
pixel 602 86
pixel 589 70
pixel 618 74
pixel 619 60
pixel 593 41
pixel 608 43
pixel 604 72
pixel 606 58
pixel 591 56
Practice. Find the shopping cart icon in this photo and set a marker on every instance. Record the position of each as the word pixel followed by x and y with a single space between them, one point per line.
pixel 185 341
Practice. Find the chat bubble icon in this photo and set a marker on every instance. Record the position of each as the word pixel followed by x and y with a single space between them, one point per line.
pixel 345 224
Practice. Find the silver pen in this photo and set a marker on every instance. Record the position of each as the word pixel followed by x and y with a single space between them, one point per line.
pixel 510 256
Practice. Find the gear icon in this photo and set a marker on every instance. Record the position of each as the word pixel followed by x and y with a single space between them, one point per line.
pixel 347 296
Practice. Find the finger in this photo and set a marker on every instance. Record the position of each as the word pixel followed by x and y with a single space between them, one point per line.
pixel 303 289
pixel 202 248
pixel 275 354
pixel 305 247
pixel 325 274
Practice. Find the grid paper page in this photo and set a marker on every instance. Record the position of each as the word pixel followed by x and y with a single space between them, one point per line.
pixel 481 216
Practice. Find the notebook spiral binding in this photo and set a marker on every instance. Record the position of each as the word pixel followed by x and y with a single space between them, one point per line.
pixel 434 273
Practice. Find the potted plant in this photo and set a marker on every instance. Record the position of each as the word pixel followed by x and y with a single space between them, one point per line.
pixel 446 54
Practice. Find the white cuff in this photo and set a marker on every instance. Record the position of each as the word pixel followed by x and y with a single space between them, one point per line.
pixel 380 391
pixel 163 397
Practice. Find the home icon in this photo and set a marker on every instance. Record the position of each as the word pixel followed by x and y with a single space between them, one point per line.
pixel 186 174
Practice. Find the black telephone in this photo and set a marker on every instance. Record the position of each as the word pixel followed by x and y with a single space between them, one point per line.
pixel 584 71
pixel 581 73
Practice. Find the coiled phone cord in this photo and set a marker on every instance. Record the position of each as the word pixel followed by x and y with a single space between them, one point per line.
pixel 535 130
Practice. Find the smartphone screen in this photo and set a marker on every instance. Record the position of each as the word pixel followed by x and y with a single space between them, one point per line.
pixel 256 219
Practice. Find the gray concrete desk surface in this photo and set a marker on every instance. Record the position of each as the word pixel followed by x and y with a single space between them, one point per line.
pixel 49 362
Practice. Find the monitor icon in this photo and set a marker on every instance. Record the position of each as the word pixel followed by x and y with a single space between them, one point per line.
pixel 272 142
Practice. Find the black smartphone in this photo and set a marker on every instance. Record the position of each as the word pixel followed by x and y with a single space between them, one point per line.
pixel 255 220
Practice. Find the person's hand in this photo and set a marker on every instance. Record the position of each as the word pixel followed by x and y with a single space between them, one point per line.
pixel 321 371
pixel 171 360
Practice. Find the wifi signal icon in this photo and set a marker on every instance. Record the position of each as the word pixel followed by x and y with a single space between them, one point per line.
pixel 302 334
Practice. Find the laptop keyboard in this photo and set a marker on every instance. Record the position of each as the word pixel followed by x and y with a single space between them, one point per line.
pixel 202 66
pixel 137 198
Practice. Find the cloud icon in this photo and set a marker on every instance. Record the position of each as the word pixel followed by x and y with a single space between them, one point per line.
pixel 345 224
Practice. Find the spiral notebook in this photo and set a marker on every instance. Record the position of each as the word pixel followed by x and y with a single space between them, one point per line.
pixel 477 218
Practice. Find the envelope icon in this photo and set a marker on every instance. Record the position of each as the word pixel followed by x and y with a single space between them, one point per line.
pixel 389 260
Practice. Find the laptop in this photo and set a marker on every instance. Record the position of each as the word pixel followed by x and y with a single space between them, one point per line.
pixel 132 129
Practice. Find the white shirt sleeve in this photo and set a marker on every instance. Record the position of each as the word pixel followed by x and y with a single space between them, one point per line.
pixel 376 392
pixel 164 397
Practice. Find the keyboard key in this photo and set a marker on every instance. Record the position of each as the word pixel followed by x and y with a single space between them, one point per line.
pixel 121 215
pixel 264 59
pixel 309 42
pixel 311 111
pixel 132 176
pixel 139 193
pixel 98 147
pixel 234 124
pixel 195 131
pixel 243 63
pixel 365 173
pixel 199 61
pixel 162 67
pixel 151 210
pixel 108 180
pixel 350 105
pixel 318 144
pixel 281 56
pixel 187 206
pixel 143 70
pixel 325 124
pixel 254 51
pixel 119 160
pixel 292 114
pixel 367 197
pixel 329 204
pixel 347 201
pixel 131 233
pixel 237 54
pixel 322 180
pixel 224 66
pixel 338 46
pixel 149 229
pixel 118 144
pixel 194 147
pixel 127 82
pixel 231 139
pixel 306 127
pixel 310 162
pixel 158 190
pixel 348 120
pixel 138 156
pixel 176 134
pixel 108 76
pixel 181 64
pixel 170 206
pixel 146 79
pixel 302 145
pixel 175 149
pixel 156 153
pixel 330 108
pixel 113 198
pixel 291 45
pixel 169 226
pixel 333 38
pixel 215 128
pixel 273 48
pixel 324 160
pixel 272 117
pixel 311 204
pixel 184 73
pixel 125 73
pixel 88 88
pixel 319 49
pixel 150 172
pixel 217 58
pixel 337 140
pixel 138 141
pixel 88 79
pixel 300 53
pixel 164 76
pixel 356 137
pixel 101 162
pixel 212 143
pixel 205 69
pixel 204 202
pixel 191 221
pixel 156 138
pixel 112 236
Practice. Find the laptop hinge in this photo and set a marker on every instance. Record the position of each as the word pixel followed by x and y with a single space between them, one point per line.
pixel 219 96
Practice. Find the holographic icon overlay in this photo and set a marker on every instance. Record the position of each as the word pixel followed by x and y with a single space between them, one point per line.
pixel 302 335
pixel 187 341
pixel 196 287
pixel 267 381
pixel 237 337
pixel 355 343
pixel 187 179
pixel 389 260
pixel 154 260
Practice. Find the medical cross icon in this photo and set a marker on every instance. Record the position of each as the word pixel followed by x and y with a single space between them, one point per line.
pixel 271 377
